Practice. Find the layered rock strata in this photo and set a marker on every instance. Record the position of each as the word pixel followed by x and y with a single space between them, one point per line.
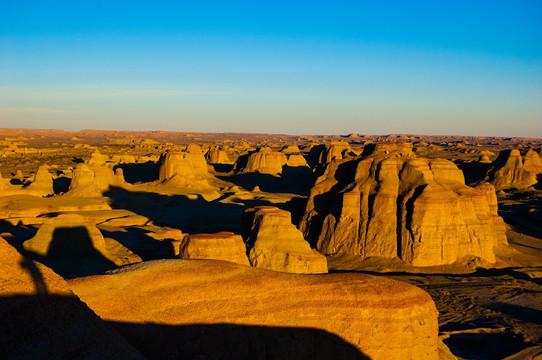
pixel 380 318
pixel 389 204
pixel 263 161
pixel 225 246
pixel 274 243
pixel 184 168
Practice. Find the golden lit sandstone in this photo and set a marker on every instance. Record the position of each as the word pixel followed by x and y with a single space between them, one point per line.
pixel 263 161
pixel 42 185
pixel 41 244
pixel 93 180
pixel 276 244
pixel 323 154
pixel 217 156
pixel 224 245
pixel 389 204
pixel 295 160
pixel 43 319
pixel 383 318
pixel 509 170
pixel 184 168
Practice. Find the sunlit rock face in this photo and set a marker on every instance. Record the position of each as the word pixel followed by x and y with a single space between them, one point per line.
pixel 215 155
pixel 510 170
pixel 263 161
pixel 184 168
pixel 42 185
pixel 93 180
pixel 391 204
pixel 225 246
pixel 377 318
pixel 276 244
pixel 322 154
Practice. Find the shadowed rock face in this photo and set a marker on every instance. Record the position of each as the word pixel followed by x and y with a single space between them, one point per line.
pixel 323 154
pixel 382 318
pixel 263 161
pixel 225 246
pixel 419 210
pixel 509 170
pixel 276 244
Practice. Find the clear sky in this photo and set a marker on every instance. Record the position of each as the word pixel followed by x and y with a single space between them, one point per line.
pixel 297 67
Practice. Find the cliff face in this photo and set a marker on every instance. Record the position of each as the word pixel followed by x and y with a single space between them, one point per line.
pixel 389 204
pixel 510 170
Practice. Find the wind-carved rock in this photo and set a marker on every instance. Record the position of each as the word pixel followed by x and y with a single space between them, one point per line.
pixel 93 180
pixel 509 170
pixel 276 244
pixel 184 168
pixel 42 185
pixel 263 161
pixel 225 246
pixel 323 154
pixel 389 204
pixel 215 155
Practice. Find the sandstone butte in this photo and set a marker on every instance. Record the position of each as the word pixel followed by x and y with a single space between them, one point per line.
pixel 387 203
pixel 263 161
pixel 184 168
pixel 91 180
pixel 43 319
pixel 274 243
pixel 296 160
pixel 215 155
pixel 224 245
pixel 322 154
pixel 382 318
pixel 509 170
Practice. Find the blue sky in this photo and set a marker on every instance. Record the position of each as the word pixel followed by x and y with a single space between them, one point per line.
pixel 306 67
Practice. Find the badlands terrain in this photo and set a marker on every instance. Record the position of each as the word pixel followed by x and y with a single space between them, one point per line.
pixel 165 245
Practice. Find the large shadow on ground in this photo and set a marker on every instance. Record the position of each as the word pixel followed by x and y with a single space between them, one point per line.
pixel 139 172
pixel 293 180
pixel 189 214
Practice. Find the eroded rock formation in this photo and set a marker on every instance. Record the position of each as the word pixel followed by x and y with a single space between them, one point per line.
pixel 276 244
pixel 510 170
pixel 263 161
pixel 389 204
pixel 381 318
pixel 225 246
pixel 217 156
pixel 184 168
pixel 42 185
pixel 93 180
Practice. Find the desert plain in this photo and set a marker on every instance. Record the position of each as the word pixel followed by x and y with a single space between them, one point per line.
pixel 166 245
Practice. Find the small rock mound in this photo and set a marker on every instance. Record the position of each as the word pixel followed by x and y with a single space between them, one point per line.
pixel 225 246
pixel 296 160
pixel 276 244
pixel 217 156
pixel 42 184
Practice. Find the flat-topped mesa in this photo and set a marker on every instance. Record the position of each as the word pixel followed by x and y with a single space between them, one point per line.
pixel 42 185
pixel 290 149
pixel 215 155
pixel 418 210
pixel 94 180
pixel 263 161
pixel 276 244
pixel 263 314
pixel 509 170
pixel 323 154
pixel 224 245
pixel 185 168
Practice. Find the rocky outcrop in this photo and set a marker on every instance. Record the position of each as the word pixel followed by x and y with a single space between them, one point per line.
pixel 184 168
pixel 42 185
pixel 510 170
pixel 217 156
pixel 393 205
pixel 263 161
pixel 296 160
pixel 225 246
pixel 322 154
pixel 43 319
pixel 93 180
pixel 305 317
pixel 274 243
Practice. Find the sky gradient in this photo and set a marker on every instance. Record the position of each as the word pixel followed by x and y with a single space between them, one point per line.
pixel 304 67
